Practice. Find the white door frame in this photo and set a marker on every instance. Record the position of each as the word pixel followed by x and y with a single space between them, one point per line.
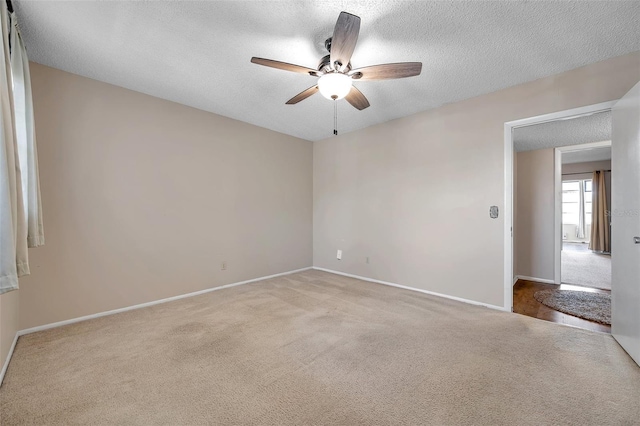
pixel 557 226
pixel 508 185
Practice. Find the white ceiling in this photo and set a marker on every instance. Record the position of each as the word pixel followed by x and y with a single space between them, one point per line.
pixel 197 53
pixel 586 155
pixel 574 131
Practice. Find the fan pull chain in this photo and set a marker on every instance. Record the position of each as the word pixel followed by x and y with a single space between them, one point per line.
pixel 335 117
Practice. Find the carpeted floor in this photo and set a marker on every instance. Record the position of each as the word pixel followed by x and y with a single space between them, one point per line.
pixel 316 348
pixel 586 268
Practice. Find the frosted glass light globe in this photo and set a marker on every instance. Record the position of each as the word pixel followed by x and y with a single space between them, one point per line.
pixel 334 85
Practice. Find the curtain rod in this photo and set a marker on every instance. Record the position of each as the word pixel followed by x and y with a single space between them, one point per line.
pixel 583 173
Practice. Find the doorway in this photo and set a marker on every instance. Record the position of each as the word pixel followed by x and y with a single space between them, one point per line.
pixel 584 185
pixel 556 233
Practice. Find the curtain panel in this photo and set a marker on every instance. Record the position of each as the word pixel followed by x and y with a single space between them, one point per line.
pixel 20 211
pixel 599 218
pixel 26 136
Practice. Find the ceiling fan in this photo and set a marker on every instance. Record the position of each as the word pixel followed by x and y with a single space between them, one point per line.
pixel 335 73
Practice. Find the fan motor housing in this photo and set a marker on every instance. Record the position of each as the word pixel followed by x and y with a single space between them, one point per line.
pixel 325 65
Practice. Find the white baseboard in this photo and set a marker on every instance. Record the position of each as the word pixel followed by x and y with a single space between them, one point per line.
pixel 9 355
pixel 538 280
pixel 155 302
pixel 432 293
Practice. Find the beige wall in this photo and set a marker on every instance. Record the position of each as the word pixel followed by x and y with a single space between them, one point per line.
pixel 534 211
pixel 8 323
pixel 144 198
pixel 587 167
pixel 413 194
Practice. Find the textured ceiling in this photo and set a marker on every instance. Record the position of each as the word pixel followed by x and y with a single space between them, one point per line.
pixel 575 131
pixel 197 53
pixel 586 155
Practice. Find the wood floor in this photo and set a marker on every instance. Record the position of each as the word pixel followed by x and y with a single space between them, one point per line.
pixel 524 303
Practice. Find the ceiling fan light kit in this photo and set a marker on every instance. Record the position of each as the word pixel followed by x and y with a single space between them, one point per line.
pixel 335 74
pixel 334 85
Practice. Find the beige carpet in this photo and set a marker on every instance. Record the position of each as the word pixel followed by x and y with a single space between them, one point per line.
pixel 586 268
pixel 316 348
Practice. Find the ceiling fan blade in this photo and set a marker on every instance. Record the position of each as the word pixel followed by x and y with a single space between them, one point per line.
pixel 284 66
pixel 387 71
pixel 345 36
pixel 303 95
pixel 357 99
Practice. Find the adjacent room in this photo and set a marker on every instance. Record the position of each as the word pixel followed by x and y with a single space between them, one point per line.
pixel 319 212
pixel 586 256
pixel 562 243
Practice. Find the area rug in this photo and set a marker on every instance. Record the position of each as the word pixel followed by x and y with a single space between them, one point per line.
pixel 586 268
pixel 590 306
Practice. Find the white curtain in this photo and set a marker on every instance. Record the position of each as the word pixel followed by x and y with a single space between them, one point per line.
pixel 26 136
pixel 20 212
pixel 580 229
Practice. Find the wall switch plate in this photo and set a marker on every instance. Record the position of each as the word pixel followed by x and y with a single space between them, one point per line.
pixel 493 212
pixel 339 255
pixel 223 266
pixel 366 259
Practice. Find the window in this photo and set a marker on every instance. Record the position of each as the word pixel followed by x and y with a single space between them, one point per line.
pixel 587 202
pixel 571 201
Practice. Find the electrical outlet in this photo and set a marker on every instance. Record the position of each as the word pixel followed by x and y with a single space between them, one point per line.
pixel 223 266
pixel 339 255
